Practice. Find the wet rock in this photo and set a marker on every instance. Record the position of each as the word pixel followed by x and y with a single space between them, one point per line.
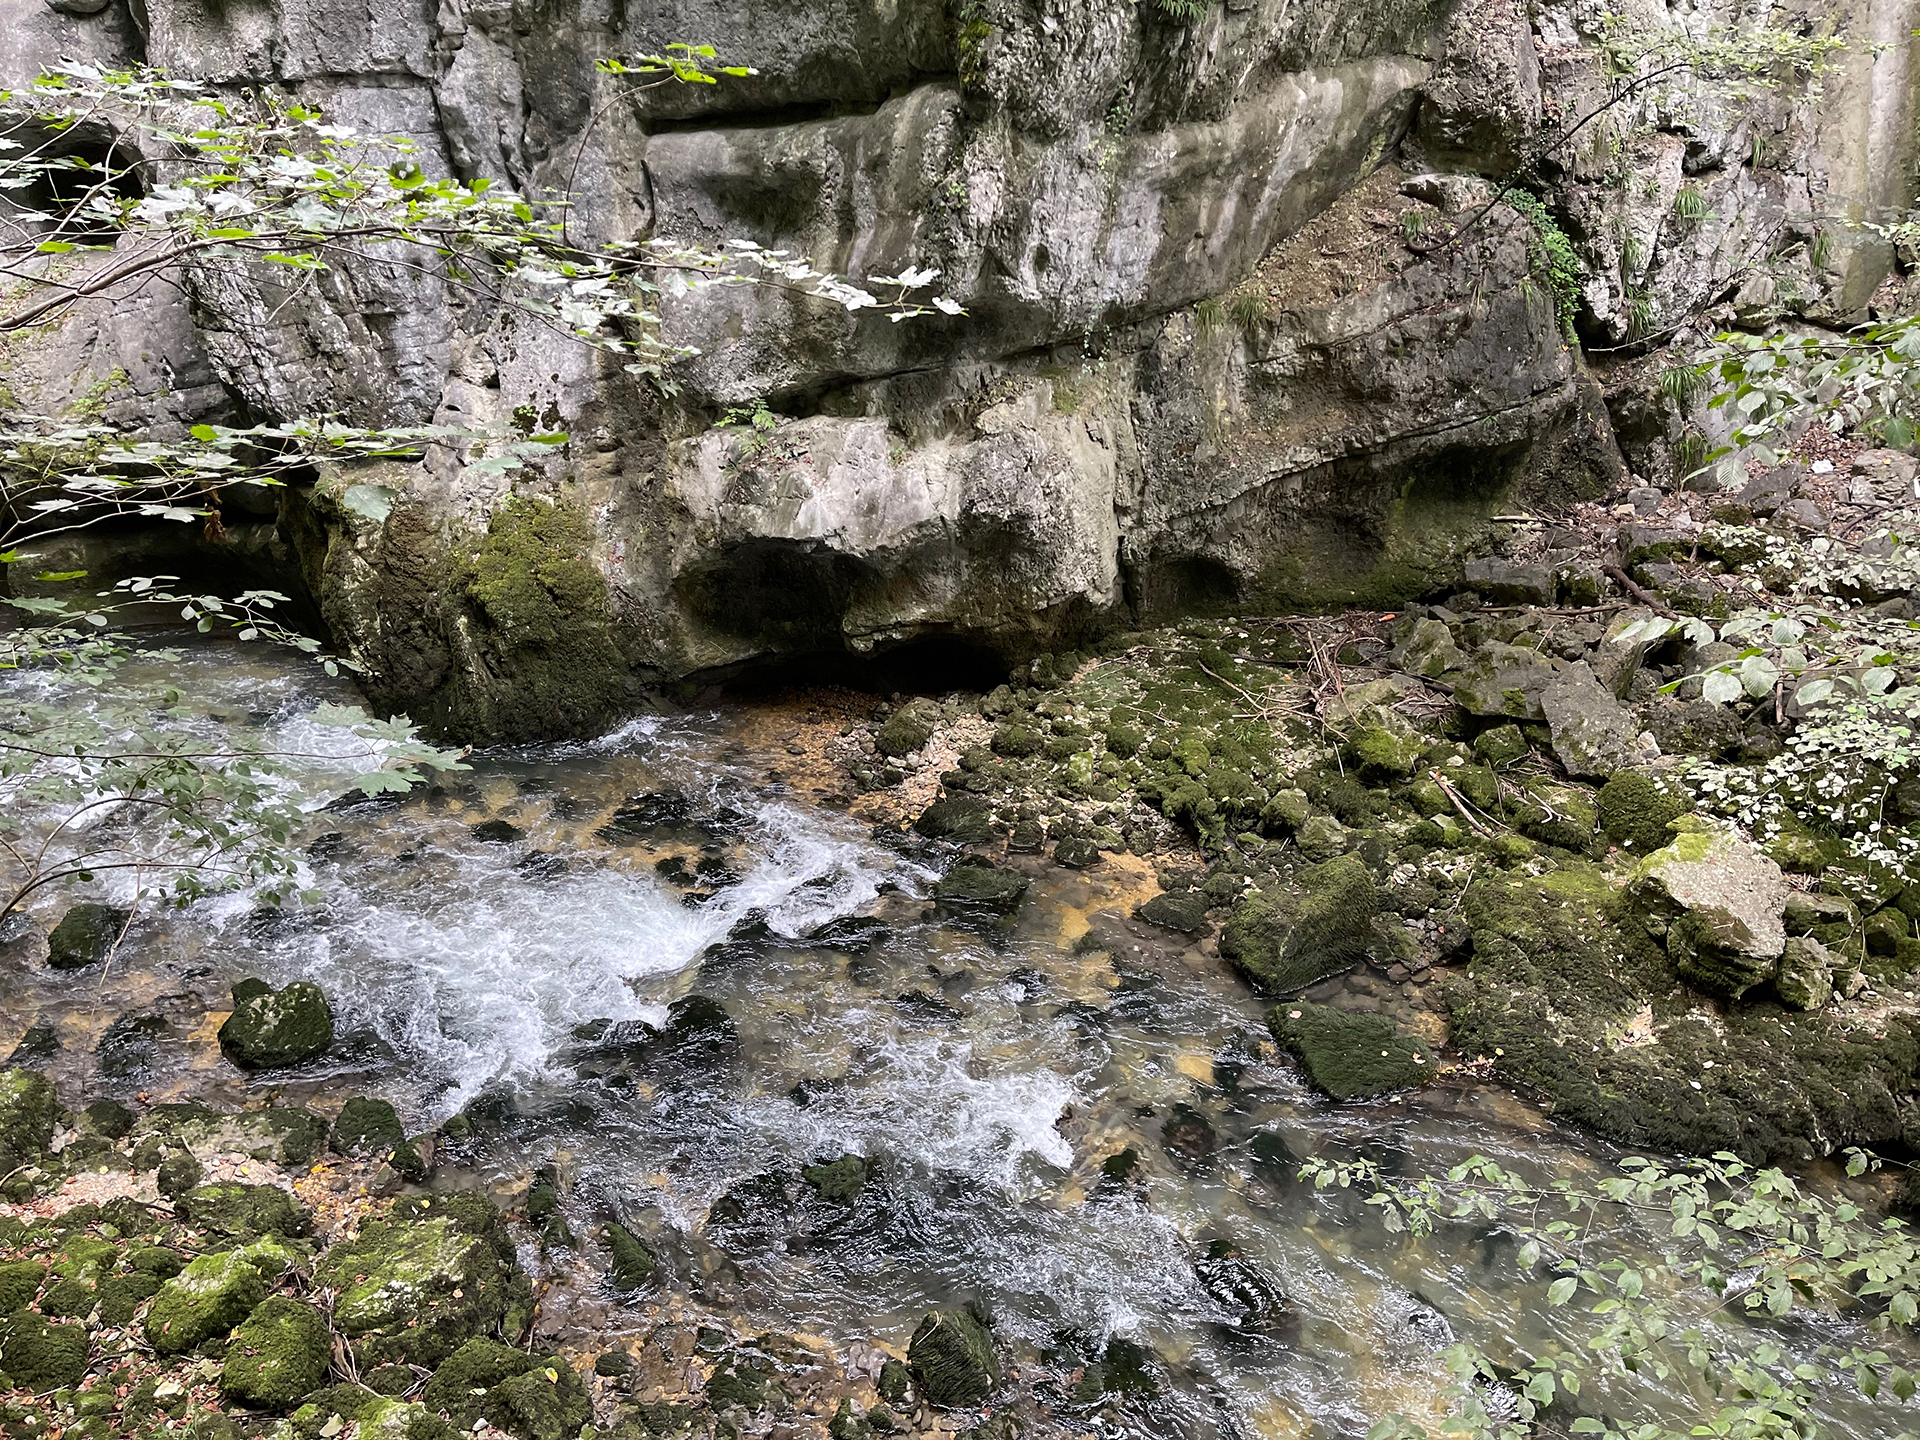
pixel 244 1211
pixel 909 728
pixel 1181 910
pixel 1026 838
pixel 1076 852
pixel 1503 680
pixel 205 1300
pixel 280 1352
pixel 1351 1055
pixel 1283 941
pixel 1805 981
pixel 1119 1368
pixel 1593 737
pixel 366 1126
pixel 977 889
pixel 285 1135
pixel 269 1029
pixel 1238 1285
pixel 85 935
pixel 106 1118
pixel 27 1110
pixel 1720 905
pixel 1188 1137
pixel 459 1388
pixel 895 1382
pixel 39 1355
pixel 496 832
pixel 1636 810
pixel 952 1359
pixel 963 819
pixel 397 1283
pixel 838 1181
pixel 634 1265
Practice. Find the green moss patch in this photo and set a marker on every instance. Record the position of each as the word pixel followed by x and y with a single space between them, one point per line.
pixel 1352 1055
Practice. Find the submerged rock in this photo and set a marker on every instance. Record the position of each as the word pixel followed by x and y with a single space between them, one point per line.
pixel 85 935
pixel 279 1353
pixel 952 1359
pixel 839 1181
pixel 635 1266
pixel 978 889
pixel 1352 1055
pixel 1284 941
pixel 1720 905
pixel 269 1028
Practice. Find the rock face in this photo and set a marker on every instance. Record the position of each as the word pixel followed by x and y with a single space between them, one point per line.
pixel 1720 904
pixel 1199 368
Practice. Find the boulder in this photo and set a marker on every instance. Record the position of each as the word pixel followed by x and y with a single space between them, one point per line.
pixel 952 1359
pixel 413 1290
pixel 1636 810
pixel 27 1108
pixel 1426 649
pixel 1509 582
pixel 208 1298
pixel 1805 981
pixel 459 1388
pixel 635 1266
pixel 39 1355
pixel 285 1135
pixel 1351 1055
pixel 366 1126
pixel 269 1029
pixel 244 1211
pixel 1284 940
pixel 1503 680
pixel 1322 837
pixel 907 730
pixel 1593 736
pixel 1182 910
pixel 546 1402
pixel 279 1354
pixel 20 1281
pixel 85 935
pixel 839 1181
pixel 1720 905
pixel 963 819
pixel 977 889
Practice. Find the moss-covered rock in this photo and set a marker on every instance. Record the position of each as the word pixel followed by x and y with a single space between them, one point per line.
pixel 1181 910
pixel 286 1135
pixel 1284 940
pixel 85 935
pixel 1635 811
pixel 963 819
pixel 1805 981
pixel 546 1402
pixel 1501 746
pixel 977 889
pixel 907 729
pixel 389 1419
pixel 280 1352
pixel 269 1029
pixel 366 1126
pixel 952 1359
pixel 121 1296
pixel 1571 999
pixel 895 1381
pixel 635 1266
pixel 39 1355
pixel 459 1386
pixel 244 1211
pixel 1352 1055
pixel 1721 906
pixel 20 1281
pixel 27 1110
pixel 397 1281
pixel 1017 742
pixel 205 1300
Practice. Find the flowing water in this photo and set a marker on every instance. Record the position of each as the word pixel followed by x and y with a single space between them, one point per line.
pixel 521 975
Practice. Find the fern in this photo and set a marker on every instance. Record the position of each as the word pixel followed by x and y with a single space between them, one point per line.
pixel 1555 264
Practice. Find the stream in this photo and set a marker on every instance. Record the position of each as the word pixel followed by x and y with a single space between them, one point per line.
pixel 507 941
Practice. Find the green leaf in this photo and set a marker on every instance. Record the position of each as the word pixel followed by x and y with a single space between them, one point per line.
pixel 370 502
pixel 1562 1290
pixel 206 434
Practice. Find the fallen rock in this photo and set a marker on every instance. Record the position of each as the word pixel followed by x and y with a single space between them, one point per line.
pixel 952 1359
pixel 1427 649
pixel 39 1355
pixel 269 1028
pixel 27 1109
pixel 285 1135
pixel 85 935
pixel 1284 941
pixel 1500 679
pixel 1805 981
pixel 1507 582
pixel 963 819
pixel 209 1297
pixel 1592 734
pixel 1720 904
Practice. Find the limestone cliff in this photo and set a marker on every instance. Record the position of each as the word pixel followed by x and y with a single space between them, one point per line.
pixel 1209 361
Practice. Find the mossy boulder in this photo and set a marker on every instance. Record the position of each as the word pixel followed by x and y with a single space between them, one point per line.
pixel 20 1281
pixel 366 1126
pixel 1720 905
pixel 1181 910
pixel 204 1301
pixel 963 819
pixel 1805 980
pixel 121 1296
pixel 1284 939
pixel 1635 811
pixel 547 1402
pixel 1501 746
pixel 907 729
pixel 459 1387
pixel 1426 648
pixel 1352 1055
pixel 27 1110
pixel 389 1419
pixel 280 1352
pixel 397 1281
pixel 1017 742
pixel 635 1266
pixel 85 935
pixel 39 1355
pixel 1382 754
pixel 977 889
pixel 1500 680
pixel 286 1135
pixel 270 1029
pixel 244 1211
pixel 952 1359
